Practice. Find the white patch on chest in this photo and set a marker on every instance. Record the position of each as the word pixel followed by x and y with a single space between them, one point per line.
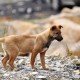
pixel 44 49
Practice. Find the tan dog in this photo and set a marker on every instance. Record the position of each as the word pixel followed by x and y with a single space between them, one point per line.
pixel 21 44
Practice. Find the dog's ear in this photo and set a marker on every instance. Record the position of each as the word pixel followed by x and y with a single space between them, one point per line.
pixel 53 28
pixel 60 26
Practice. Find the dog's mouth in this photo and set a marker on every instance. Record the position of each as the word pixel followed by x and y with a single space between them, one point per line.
pixel 59 38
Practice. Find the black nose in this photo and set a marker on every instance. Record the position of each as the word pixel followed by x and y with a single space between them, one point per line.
pixel 59 38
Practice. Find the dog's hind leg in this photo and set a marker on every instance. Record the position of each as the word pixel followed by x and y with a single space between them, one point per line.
pixel 11 61
pixel 13 52
pixel 4 60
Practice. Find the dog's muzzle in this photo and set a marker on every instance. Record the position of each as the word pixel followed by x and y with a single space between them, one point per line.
pixel 59 38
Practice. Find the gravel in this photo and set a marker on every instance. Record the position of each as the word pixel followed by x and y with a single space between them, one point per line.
pixel 59 69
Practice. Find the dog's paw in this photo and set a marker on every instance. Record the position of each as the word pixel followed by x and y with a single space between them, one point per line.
pixel 45 68
pixel 34 69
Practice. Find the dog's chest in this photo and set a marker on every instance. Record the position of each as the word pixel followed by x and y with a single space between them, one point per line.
pixel 48 43
pixel 46 46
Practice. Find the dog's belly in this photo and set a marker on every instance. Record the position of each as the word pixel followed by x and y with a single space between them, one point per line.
pixel 23 54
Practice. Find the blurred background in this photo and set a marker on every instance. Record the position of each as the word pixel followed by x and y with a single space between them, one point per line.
pixel 34 8
pixel 34 16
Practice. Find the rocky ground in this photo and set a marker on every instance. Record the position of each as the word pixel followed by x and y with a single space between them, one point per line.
pixel 59 69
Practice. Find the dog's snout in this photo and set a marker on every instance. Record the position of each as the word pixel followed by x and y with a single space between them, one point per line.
pixel 58 33
pixel 59 38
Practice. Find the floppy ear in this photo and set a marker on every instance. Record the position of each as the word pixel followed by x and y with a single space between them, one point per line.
pixel 60 26
pixel 53 28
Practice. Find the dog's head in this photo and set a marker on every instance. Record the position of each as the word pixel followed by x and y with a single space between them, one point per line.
pixel 55 32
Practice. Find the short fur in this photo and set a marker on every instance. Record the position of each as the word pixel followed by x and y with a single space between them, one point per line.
pixel 15 45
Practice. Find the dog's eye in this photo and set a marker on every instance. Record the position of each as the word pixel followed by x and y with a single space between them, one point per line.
pixel 53 27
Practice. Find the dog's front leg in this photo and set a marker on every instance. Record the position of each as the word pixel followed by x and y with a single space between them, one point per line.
pixel 42 57
pixel 36 50
pixel 33 56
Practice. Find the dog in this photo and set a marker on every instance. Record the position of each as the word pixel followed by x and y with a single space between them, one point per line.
pixel 15 45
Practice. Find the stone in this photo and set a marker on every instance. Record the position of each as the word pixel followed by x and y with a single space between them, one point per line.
pixel 34 73
pixel 41 77
pixel 21 62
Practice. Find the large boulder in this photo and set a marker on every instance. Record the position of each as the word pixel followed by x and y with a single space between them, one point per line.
pixel 71 35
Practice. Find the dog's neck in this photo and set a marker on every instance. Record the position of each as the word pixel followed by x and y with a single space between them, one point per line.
pixel 50 39
pixel 47 39
pixel 45 35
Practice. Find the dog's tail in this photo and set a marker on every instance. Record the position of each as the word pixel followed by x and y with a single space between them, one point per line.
pixel 2 39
